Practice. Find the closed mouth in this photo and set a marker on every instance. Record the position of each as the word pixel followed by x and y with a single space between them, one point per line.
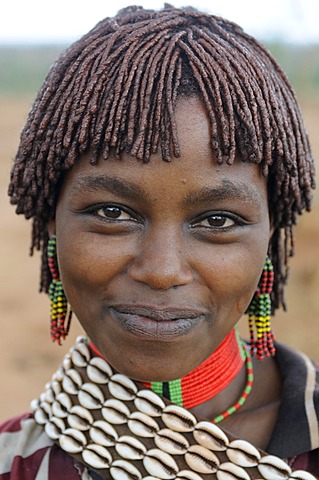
pixel 154 323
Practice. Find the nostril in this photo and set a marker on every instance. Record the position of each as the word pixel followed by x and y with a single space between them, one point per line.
pixel 161 274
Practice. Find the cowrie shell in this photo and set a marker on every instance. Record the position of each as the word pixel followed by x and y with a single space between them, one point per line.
pixel 142 425
pixel 160 464
pixel 242 453
pixel 46 407
pixel 58 375
pixel 273 468
pixel 115 411
pixel 67 363
pixel 201 459
pixel 54 428
pixel 301 475
pixel 130 448
pixel 97 456
pixel 35 403
pixel 188 475
pixel 171 442
pixel 178 419
pixel 61 405
pixel 90 396
pixel 40 416
pixel 99 371
pixel 122 387
pixel 49 395
pixel 123 470
pixel 103 433
pixel 81 355
pixel 42 397
pixel 210 436
pixel 80 418
pixel 230 471
pixel 149 403
pixel 72 381
pixel 56 387
pixel 72 441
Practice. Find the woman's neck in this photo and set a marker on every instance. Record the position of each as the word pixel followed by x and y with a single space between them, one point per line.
pixel 207 380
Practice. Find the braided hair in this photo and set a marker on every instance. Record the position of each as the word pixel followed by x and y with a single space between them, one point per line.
pixel 116 89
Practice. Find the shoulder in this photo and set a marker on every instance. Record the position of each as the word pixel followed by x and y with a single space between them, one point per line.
pixel 300 376
pixel 27 452
pixel 297 427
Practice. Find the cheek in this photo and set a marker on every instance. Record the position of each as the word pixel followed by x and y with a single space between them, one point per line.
pixel 232 277
pixel 88 266
pixel 74 271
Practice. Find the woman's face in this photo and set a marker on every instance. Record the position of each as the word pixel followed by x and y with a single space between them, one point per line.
pixel 159 261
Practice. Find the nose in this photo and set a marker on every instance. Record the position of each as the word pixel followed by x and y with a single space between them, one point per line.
pixel 161 262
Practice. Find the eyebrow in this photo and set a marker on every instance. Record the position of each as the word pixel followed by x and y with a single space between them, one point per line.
pixel 228 190
pixel 94 183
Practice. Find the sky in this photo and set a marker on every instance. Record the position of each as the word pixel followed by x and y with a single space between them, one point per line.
pixel 38 21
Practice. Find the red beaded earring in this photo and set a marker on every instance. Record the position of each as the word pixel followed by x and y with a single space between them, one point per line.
pixel 259 315
pixel 58 300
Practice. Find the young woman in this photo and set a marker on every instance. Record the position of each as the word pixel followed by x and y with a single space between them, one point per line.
pixel 164 163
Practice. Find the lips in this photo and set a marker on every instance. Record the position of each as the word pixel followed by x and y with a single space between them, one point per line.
pixel 154 323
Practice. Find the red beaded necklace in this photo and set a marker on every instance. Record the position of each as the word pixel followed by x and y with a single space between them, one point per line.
pixel 210 377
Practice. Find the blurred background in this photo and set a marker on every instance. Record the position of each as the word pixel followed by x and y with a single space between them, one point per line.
pixel 31 37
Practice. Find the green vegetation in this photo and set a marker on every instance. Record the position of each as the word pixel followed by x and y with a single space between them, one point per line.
pixel 23 68
pixel 301 64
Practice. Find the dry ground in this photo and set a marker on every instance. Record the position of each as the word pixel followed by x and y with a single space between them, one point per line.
pixel 28 357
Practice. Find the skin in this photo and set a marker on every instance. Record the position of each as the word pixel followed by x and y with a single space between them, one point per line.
pixel 159 261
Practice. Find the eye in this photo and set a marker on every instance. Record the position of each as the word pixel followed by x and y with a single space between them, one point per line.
pixel 217 221
pixel 112 212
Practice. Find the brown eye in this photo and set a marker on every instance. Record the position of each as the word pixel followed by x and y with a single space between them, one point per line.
pixel 217 221
pixel 115 213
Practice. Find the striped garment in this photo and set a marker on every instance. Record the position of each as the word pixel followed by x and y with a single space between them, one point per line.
pixel 26 452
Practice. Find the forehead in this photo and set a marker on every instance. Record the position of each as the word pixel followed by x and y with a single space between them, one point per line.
pixel 196 169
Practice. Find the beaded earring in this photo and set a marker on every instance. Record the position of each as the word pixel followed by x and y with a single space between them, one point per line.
pixel 259 315
pixel 59 304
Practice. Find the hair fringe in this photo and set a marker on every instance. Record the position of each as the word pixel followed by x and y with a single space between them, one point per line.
pixel 116 89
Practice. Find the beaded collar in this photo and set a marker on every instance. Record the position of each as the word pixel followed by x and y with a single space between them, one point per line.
pixel 210 377
pixel 125 431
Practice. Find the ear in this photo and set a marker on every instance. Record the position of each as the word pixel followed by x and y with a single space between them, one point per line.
pixel 51 227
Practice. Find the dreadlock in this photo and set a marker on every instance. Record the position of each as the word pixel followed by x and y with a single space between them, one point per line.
pixel 117 87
